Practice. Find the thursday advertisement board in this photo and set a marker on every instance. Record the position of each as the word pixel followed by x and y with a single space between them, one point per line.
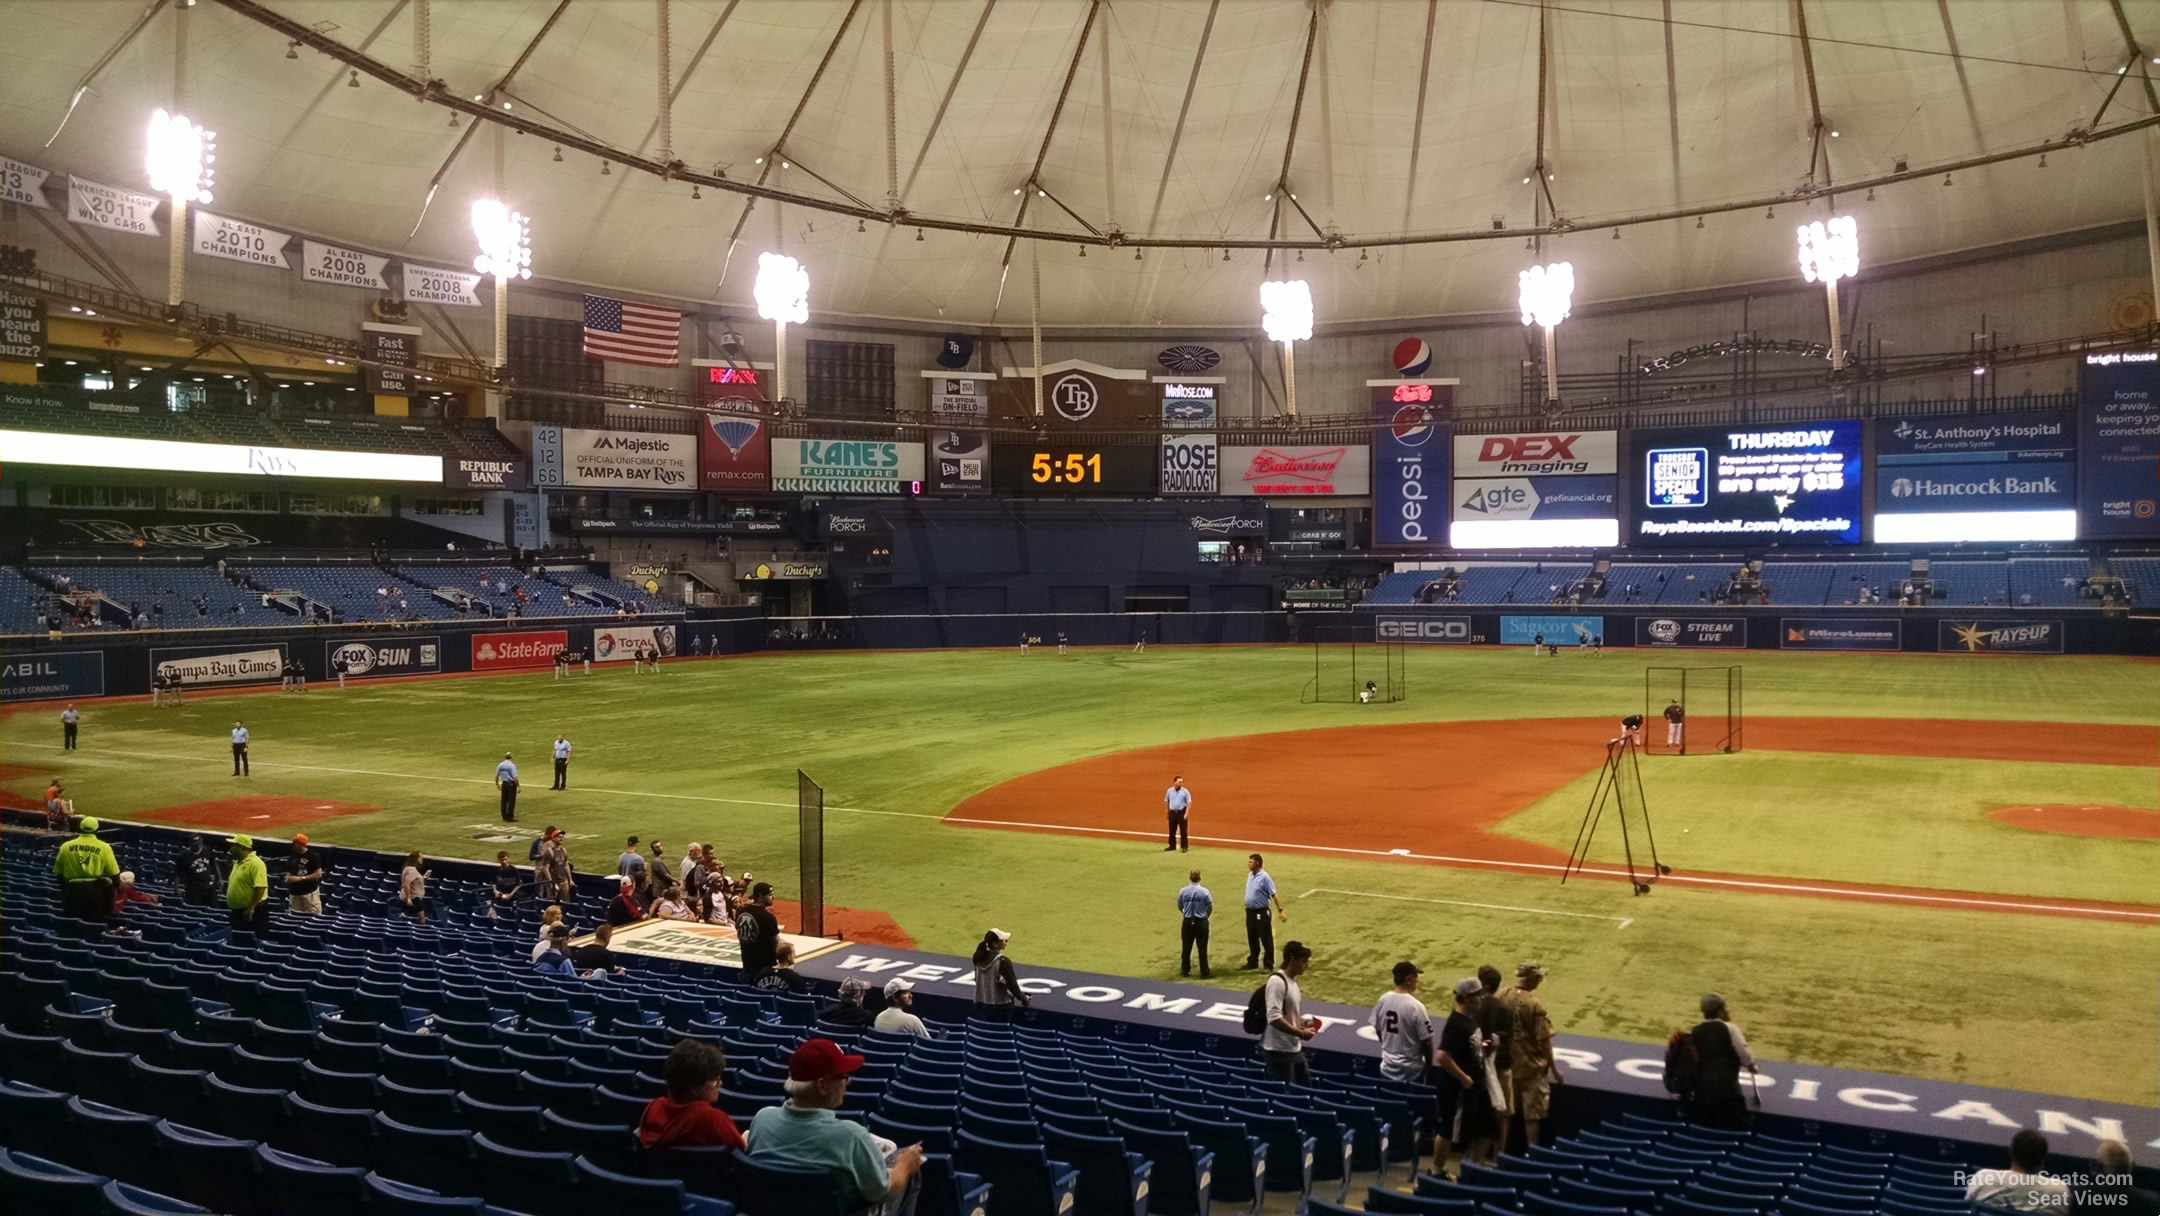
pixel 1797 484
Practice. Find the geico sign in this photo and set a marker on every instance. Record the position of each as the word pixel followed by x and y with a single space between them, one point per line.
pixel 1425 629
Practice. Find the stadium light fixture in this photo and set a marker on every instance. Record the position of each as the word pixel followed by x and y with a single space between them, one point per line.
pixel 1546 293
pixel 1830 251
pixel 179 157
pixel 1286 314
pixel 505 238
pixel 783 295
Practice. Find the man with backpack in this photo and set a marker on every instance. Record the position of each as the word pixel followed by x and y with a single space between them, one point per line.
pixel 1702 1068
pixel 1274 1014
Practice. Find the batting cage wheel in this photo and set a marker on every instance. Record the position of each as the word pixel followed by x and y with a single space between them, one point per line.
pixel 1345 659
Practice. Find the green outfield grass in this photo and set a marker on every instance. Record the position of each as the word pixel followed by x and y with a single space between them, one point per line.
pixel 709 750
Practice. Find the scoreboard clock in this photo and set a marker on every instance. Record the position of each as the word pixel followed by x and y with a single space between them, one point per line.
pixel 1056 468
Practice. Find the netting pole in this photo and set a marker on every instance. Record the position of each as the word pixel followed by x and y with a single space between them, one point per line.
pixel 810 809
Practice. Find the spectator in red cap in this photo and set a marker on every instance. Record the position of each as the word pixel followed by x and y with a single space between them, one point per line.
pixel 804 1134
pixel 686 1115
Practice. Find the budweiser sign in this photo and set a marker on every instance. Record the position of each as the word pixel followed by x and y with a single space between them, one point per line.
pixel 1318 471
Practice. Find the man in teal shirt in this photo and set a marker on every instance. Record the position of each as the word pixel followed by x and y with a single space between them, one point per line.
pixel 804 1134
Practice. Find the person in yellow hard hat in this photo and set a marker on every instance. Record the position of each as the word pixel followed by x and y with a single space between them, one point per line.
pixel 87 871
pixel 247 891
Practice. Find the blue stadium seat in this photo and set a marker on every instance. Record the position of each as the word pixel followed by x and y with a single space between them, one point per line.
pixel 390 1198
pixel 186 1051
pixel 288 1182
pixel 241 1112
pixel 1023 1180
pixel 31 1058
pixel 337 1134
pixel 659 1195
pixel 1113 1182
pixel 718 1173
pixel 423 1070
pixel 257 1071
pixel 439 1159
pixel 1548 1205
pixel 84 1029
pixel 48 1188
pixel 33 1119
pixel 124 1200
pixel 109 1140
pixel 1380 1199
pixel 516 1126
pixel 340 1055
pixel 98 1075
pixel 207 1169
pixel 524 1180
pixel 1289 1150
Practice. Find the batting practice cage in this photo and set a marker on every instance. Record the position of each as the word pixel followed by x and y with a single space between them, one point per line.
pixel 1712 709
pixel 1346 658
pixel 810 812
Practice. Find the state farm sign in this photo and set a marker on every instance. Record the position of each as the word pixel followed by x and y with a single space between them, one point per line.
pixel 1324 470
pixel 503 651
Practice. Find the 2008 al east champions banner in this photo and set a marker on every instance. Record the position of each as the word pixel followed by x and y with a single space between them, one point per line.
pixel 845 466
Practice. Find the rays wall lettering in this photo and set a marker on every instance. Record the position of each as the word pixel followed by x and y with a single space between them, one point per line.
pixel 1737 346
pixel 220 535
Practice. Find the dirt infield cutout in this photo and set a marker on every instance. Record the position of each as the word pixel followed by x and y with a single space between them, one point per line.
pixel 253 813
pixel 2082 819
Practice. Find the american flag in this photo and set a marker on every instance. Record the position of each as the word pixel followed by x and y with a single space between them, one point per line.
pixel 632 333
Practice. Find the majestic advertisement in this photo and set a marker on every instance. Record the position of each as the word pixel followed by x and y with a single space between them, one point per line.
pixel 530 648
pixel 369 658
pixel 1530 491
pixel 2119 433
pixel 1189 466
pixel 22 327
pixel 174 456
pixel 464 473
pixel 1189 407
pixel 1410 462
pixel 1797 484
pixel 614 459
pixel 1687 632
pixel 59 676
pixel 620 644
pixel 1431 630
pixel 733 454
pixel 1999 637
pixel 387 355
pixel 1839 633
pixel 845 466
pixel 1979 477
pixel 960 462
pixel 1337 470
pixel 204 666
pixel 1556 630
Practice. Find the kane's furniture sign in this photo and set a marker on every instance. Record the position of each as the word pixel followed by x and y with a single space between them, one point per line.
pixel 203 666
pixel 1329 470
pixel 1428 630
pixel 1785 485
pixel 368 658
pixel 57 676
pixel 845 466
pixel 173 456
pixel 1999 637
pixel 567 456
pixel 1409 459
pixel 1972 478
pixel 620 644
pixel 1686 632
pixel 1839 633
pixel 2119 430
pixel 503 651
pixel 1535 491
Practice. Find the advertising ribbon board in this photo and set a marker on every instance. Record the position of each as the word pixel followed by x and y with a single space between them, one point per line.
pixel 1558 630
pixel 530 648
pixel 176 456
pixel 371 658
pixel 1686 632
pixel 1999 637
pixel 619 643
pixel 845 466
pixel 321 263
pixel 1410 461
pixel 1839 633
pixel 61 675
pixel 1426 630
pixel 2119 432
pixel 221 236
pixel 22 327
pixel 1189 466
pixel 207 666
pixel 103 206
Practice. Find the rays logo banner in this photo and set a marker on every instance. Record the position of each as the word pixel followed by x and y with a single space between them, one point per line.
pixel 1999 637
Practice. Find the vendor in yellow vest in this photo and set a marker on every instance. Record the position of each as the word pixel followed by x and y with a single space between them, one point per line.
pixel 87 871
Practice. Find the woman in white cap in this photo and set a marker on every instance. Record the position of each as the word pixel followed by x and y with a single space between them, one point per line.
pixel 997 988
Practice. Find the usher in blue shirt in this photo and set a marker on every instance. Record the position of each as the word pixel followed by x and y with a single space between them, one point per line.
pixel 1195 901
pixel 1258 889
pixel 1178 798
pixel 506 771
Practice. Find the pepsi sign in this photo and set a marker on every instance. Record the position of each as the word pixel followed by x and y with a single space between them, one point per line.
pixel 1410 471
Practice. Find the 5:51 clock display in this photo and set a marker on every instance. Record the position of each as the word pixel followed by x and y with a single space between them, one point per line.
pixel 1072 468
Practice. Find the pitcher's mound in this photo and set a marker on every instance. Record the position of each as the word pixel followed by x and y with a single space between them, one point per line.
pixel 255 812
pixel 2082 819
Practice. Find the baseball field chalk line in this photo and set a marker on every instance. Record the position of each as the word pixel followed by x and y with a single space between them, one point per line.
pixel 1622 922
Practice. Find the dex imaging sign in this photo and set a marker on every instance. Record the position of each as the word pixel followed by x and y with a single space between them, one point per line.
pixel 1526 491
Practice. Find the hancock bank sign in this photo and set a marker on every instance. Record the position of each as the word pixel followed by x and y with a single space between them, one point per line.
pixel 1906 1105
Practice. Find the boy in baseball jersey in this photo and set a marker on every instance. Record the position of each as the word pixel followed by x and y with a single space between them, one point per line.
pixel 1404 1028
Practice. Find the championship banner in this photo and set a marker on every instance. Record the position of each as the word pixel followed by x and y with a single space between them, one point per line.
pixel 204 666
pixel 959 462
pixel 633 460
pixel 963 398
pixel 1839 633
pixel 435 285
pixel 733 454
pixel 1427 630
pixel 1557 630
pixel 369 658
pixel 103 206
pixel 59 676
pixel 1410 460
pixel 503 651
pixel 620 644
pixel 321 263
pixel 1535 491
pixel 22 327
pixel 23 183
pixel 1999 637
pixel 1322 470
pixel 2119 432
pixel 845 466
pixel 388 353
pixel 1689 632
pixel 1189 466
pixel 221 236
